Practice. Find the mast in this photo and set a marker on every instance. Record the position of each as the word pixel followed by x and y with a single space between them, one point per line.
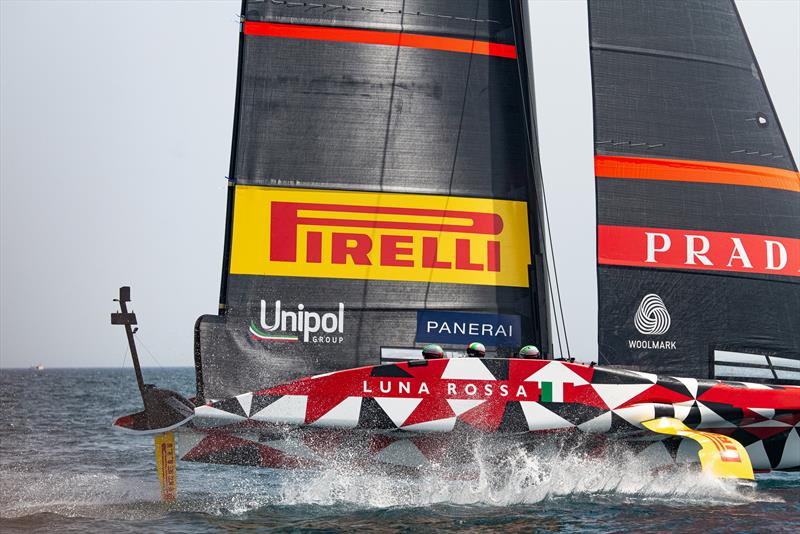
pixel 231 189
pixel 540 268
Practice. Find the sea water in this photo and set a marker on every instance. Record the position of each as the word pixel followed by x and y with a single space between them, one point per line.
pixel 63 468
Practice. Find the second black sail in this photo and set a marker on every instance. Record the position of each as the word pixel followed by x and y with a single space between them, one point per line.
pixel 698 196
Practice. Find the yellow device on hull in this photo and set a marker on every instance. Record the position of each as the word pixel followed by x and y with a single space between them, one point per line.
pixel 720 455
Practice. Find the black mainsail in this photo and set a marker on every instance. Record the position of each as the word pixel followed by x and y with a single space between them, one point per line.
pixel 381 190
pixel 698 196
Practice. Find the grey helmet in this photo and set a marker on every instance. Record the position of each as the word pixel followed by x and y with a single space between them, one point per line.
pixel 432 352
pixel 530 352
pixel 476 350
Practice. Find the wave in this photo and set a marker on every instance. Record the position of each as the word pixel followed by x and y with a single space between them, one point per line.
pixel 522 477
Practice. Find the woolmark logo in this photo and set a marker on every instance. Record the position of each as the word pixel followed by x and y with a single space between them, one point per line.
pixel 292 326
pixel 652 317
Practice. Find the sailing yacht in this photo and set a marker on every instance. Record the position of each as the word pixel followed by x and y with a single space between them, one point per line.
pixel 385 193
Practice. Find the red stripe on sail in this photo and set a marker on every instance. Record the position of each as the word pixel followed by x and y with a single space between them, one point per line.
pixel 696 171
pixel 411 40
pixel 662 248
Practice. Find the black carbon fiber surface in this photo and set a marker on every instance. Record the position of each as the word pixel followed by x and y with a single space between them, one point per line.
pixel 677 80
pixel 327 114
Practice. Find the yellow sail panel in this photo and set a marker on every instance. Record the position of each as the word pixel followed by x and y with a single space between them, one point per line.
pixel 165 462
pixel 380 236
pixel 720 455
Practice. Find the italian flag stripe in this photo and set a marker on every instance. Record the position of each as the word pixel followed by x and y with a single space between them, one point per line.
pixel 547 392
pixel 263 336
pixel 551 392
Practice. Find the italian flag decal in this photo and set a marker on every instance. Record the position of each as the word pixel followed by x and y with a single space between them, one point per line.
pixel 551 392
pixel 260 335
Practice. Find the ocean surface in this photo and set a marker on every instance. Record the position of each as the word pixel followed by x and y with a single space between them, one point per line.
pixel 64 469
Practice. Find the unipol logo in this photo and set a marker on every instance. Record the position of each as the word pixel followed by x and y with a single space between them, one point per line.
pixel 380 236
pixel 281 324
pixel 652 317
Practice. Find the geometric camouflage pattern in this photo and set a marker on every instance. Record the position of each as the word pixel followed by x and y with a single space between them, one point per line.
pixel 402 414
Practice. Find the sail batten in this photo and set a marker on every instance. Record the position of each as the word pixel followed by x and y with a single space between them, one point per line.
pixel 673 55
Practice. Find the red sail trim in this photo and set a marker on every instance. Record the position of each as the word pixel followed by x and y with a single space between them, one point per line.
pixel 667 248
pixel 696 171
pixel 411 40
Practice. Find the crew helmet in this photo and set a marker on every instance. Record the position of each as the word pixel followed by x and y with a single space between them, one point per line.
pixel 476 350
pixel 530 352
pixel 432 352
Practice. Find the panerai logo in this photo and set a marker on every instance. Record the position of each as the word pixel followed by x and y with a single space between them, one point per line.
pixel 303 325
pixel 652 319
pixel 462 328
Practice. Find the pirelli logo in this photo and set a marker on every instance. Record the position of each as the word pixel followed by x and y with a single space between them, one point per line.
pixel 379 236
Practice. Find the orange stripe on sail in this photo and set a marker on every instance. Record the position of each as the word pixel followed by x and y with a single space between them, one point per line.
pixel 696 171
pixel 411 40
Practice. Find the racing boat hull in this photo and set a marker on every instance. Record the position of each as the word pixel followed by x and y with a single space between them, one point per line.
pixel 409 414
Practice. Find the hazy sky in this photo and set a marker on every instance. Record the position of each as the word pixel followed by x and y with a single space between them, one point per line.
pixel 115 137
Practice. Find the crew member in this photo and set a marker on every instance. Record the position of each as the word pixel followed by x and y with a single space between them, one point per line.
pixel 476 350
pixel 530 352
pixel 432 352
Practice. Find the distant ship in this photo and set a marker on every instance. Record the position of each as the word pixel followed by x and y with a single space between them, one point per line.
pixel 38 367
pixel 385 193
